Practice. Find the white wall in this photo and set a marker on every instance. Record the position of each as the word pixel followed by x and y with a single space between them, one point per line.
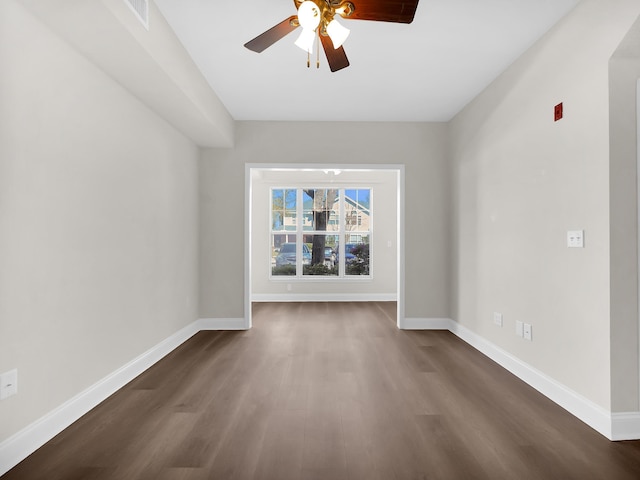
pixel 624 72
pixel 383 241
pixel 150 63
pixel 98 222
pixel 521 181
pixel 420 147
pixel 99 213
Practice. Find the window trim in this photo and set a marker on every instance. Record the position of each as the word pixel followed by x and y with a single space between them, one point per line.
pixel 300 233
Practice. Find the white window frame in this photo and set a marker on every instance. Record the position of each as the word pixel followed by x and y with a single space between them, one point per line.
pixel 341 233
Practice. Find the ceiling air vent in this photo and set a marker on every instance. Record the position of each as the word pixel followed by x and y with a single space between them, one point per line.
pixel 141 10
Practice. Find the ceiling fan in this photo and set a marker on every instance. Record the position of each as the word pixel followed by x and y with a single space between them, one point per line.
pixel 317 19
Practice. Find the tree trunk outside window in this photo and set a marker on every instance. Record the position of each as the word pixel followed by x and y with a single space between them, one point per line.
pixel 323 201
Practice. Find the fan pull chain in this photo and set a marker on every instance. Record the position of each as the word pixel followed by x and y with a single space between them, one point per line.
pixel 318 50
pixel 308 59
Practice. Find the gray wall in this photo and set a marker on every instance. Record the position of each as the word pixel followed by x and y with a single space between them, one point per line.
pixel 98 222
pixel 420 147
pixel 521 181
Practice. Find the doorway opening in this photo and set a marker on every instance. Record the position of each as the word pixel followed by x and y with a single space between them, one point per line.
pixel 385 282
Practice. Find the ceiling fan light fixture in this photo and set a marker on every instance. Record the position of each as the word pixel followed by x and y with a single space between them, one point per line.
pixel 309 15
pixel 337 32
pixel 345 9
pixel 315 17
pixel 305 40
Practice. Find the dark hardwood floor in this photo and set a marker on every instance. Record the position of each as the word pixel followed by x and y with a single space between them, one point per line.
pixel 331 392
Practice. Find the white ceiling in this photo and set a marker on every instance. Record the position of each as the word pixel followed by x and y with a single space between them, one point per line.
pixel 424 71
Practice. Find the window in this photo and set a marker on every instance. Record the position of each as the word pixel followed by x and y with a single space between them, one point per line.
pixel 320 232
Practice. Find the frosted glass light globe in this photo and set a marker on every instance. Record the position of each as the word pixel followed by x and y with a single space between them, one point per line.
pixel 337 32
pixel 309 15
pixel 305 40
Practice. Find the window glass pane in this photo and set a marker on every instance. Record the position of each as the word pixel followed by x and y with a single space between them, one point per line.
pixel 364 198
pixel 277 209
pixel 357 254
pixel 290 220
pixel 323 257
pixel 277 222
pixel 276 243
pixel 307 199
pixel 277 199
pixel 284 256
pixel 357 210
pixel 320 221
pixel 321 209
pixel 283 210
pixel 307 219
pixel 290 200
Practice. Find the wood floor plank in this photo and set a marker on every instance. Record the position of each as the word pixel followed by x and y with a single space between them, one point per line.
pixel 328 391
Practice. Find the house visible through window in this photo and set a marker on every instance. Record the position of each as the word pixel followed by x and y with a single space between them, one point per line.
pixel 320 232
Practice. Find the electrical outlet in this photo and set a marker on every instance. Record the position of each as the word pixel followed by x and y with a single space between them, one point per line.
pixel 497 318
pixel 575 239
pixel 527 331
pixel 8 384
pixel 519 328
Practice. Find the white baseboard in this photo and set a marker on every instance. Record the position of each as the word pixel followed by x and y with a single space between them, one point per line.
pixel 324 297
pixel 425 324
pixel 19 446
pixel 614 426
pixel 625 426
pixel 593 415
pixel 222 324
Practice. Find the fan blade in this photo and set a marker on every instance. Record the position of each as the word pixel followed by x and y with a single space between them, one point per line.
pixel 336 57
pixel 271 36
pixel 396 11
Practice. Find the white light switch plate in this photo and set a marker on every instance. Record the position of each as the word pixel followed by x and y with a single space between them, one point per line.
pixel 8 384
pixel 527 331
pixel 519 328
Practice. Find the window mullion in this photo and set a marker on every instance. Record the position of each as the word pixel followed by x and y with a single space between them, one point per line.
pixel 299 233
pixel 341 230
